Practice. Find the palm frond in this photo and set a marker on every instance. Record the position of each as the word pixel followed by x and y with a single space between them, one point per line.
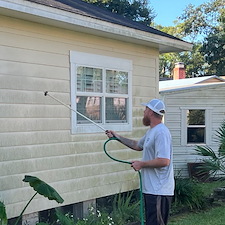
pixel 206 151
pixel 220 138
pixel 211 166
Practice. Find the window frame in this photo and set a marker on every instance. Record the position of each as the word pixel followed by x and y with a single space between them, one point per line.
pixel 105 63
pixel 184 125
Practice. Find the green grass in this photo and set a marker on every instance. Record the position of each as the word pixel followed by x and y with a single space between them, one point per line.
pixel 209 187
pixel 211 216
pixel 215 216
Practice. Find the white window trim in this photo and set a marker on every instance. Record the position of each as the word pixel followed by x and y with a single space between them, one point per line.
pixel 208 125
pixel 100 61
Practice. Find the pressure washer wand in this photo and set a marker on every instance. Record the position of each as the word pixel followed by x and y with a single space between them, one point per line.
pixel 46 93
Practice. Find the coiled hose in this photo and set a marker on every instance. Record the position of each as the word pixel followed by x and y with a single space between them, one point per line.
pixel 140 181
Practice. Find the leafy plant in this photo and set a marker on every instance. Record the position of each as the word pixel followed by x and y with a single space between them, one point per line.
pixel 41 188
pixel 96 217
pixel 214 160
pixel 3 217
pixel 124 210
pixel 188 194
pixel 64 219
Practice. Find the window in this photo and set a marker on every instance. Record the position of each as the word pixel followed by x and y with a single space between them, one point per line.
pixel 101 91
pixel 195 126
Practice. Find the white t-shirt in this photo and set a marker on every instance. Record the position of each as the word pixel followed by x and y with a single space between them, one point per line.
pixel 157 143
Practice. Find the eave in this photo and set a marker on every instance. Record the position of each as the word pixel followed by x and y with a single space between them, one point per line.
pixel 63 19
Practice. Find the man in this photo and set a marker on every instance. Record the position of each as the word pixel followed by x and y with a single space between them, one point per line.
pixel 156 165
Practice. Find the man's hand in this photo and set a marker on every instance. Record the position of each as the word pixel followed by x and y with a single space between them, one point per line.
pixel 110 133
pixel 137 165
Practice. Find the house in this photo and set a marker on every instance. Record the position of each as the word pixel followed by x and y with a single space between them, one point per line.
pixel 101 64
pixel 195 110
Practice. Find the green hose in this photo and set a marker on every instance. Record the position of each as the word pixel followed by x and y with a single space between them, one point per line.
pixel 139 173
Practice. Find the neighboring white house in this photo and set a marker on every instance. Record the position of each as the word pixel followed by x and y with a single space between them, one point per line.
pixel 195 110
pixel 101 64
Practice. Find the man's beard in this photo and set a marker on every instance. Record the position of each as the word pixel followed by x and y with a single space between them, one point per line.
pixel 146 121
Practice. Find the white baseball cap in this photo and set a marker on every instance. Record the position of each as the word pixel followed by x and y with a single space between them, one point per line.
pixel 156 105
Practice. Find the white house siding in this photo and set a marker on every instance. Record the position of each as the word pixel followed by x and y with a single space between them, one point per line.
pixel 211 96
pixel 35 136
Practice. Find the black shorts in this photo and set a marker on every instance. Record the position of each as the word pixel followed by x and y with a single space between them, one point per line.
pixel 157 209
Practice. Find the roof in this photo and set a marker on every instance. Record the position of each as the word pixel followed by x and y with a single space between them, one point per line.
pixel 81 16
pixel 188 82
pixel 90 10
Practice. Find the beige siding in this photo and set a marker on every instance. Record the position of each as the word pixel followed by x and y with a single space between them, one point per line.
pixel 209 96
pixel 35 135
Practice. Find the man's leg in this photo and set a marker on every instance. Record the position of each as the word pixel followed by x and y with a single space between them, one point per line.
pixel 166 202
pixel 150 209
pixel 157 209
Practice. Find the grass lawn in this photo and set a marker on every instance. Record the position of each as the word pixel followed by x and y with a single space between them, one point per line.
pixel 214 215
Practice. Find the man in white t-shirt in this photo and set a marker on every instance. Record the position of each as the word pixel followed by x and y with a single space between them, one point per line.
pixel 156 165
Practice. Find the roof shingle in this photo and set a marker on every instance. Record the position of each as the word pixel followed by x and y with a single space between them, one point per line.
pixel 90 10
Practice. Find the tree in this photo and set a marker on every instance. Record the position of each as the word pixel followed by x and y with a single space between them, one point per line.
pixel 214 52
pixel 136 10
pixel 194 61
pixel 204 26
pixel 213 48
pixel 201 20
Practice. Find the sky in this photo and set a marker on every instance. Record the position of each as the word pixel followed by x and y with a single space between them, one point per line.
pixel 168 10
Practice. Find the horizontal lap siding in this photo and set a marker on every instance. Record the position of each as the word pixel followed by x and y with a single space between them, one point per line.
pixel 212 97
pixel 35 135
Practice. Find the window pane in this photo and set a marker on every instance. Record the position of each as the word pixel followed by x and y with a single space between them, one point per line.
pixel 89 107
pixel 196 117
pixel 116 82
pixel 89 79
pixel 116 110
pixel 196 135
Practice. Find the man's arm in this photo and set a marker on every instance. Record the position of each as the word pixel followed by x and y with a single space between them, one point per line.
pixel 154 163
pixel 126 141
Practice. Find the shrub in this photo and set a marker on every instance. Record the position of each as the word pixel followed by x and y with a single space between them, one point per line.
pixel 124 209
pixel 214 160
pixel 188 194
pixel 95 217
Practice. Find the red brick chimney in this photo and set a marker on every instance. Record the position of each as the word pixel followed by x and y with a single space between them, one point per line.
pixel 179 71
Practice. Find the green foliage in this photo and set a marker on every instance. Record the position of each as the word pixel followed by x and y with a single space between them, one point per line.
pixel 206 151
pixel 194 61
pixel 204 26
pixel 3 216
pixel 214 160
pixel 214 52
pixel 95 217
pixel 43 189
pixel 213 216
pixel 64 219
pixel 136 10
pixel 202 19
pixel 188 194
pixel 220 138
pixel 124 210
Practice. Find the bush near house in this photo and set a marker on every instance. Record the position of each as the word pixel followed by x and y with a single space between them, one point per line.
pixel 213 160
pixel 123 208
